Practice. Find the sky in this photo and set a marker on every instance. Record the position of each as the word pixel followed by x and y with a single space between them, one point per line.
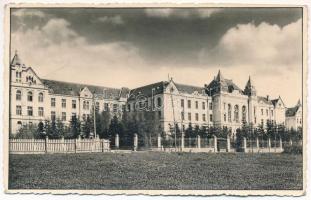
pixel 138 46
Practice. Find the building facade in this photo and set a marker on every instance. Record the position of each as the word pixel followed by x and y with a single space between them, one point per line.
pixel 294 117
pixel 33 99
pixel 219 103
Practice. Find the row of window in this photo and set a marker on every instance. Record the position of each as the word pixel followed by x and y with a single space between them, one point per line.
pixel 29 96
pixel 196 117
pixel 41 112
pixel 182 104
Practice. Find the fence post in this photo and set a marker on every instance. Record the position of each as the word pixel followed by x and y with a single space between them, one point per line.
pixel 117 141
pixel 63 144
pixel 281 145
pixel 215 144
pixel 182 142
pixel 159 141
pixel 46 144
pixel 244 144
pixel 228 143
pixel 135 141
pixel 269 144
pixel 199 141
pixel 257 144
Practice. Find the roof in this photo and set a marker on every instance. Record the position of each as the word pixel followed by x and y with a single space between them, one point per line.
pixel 290 112
pixel 16 60
pixel 159 87
pixel 67 88
pixel 189 89
pixel 148 90
pixel 264 100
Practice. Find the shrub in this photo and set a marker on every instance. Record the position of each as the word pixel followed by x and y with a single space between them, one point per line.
pixel 293 149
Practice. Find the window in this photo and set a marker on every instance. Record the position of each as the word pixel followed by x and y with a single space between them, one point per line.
pixel 261 122
pixel 123 108
pixel 255 120
pixel 19 124
pixel 196 104
pixel 40 97
pixel 203 105
pixel 63 116
pixel 189 103
pixel 182 115
pixel 210 117
pixel 53 115
pixel 182 103
pixel 229 112
pixel 53 102
pixel 254 111
pixel 225 117
pixel 159 101
pixel 236 113
pixel 115 107
pixel 271 113
pixel 244 113
pixel 159 114
pixel 97 106
pixel 84 117
pixel 29 96
pixel 106 106
pixel 18 110
pixel 196 117
pixel 204 117
pixel 74 104
pixel 29 111
pixel 63 103
pixel 86 105
pixel 40 111
pixel 18 76
pixel 189 116
pixel 18 95
pixel 129 107
pixel 261 111
pixel 210 106
pixel 267 112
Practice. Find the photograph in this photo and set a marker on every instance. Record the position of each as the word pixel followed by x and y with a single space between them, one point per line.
pixel 170 100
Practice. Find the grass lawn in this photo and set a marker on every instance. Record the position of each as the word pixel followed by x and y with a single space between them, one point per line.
pixel 154 170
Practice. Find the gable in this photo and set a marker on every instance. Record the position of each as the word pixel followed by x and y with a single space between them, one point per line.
pixel 86 93
pixel 31 78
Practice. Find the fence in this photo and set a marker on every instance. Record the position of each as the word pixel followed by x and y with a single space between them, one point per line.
pixel 41 146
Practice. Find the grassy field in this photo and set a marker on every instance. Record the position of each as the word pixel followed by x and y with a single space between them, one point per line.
pixel 153 170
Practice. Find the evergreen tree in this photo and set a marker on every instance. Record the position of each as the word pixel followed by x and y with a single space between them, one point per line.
pixel 189 131
pixel 75 127
pixel 40 131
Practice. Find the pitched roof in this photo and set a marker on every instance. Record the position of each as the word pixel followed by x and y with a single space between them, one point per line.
pixel 290 112
pixel 264 100
pixel 67 88
pixel 148 90
pixel 189 89
pixel 16 60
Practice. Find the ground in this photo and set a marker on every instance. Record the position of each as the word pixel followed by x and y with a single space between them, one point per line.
pixel 154 170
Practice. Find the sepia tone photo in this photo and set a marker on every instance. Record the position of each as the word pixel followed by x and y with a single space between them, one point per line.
pixel 155 100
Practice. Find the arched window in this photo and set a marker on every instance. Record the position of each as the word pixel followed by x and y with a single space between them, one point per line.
pixel 229 112
pixel 244 113
pixel 29 96
pixel 236 113
pixel 87 105
pixel 159 101
pixel 40 97
pixel 18 95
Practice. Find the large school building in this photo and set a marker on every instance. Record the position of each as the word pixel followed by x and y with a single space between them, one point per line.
pixel 219 103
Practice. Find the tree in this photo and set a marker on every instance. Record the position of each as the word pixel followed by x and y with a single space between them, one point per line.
pixel 28 131
pixel 75 129
pixel 189 131
pixel 87 127
pixel 103 124
pixel 196 130
pixel 40 130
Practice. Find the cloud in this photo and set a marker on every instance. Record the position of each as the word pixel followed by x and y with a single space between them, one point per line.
pixel 28 13
pixel 263 46
pixel 56 51
pixel 111 20
pixel 180 12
